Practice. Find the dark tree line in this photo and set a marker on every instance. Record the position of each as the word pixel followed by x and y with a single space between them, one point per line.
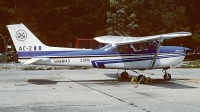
pixel 60 22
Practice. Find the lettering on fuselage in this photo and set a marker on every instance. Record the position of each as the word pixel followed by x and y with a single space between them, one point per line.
pixel 62 61
pixel 25 48
pixel 84 60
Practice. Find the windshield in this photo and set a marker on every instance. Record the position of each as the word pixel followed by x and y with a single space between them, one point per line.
pixel 121 48
pixel 106 47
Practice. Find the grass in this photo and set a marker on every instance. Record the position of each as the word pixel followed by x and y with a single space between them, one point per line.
pixel 192 64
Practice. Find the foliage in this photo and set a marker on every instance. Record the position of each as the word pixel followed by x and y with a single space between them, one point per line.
pixel 118 19
pixel 196 35
pixel 59 22
pixel 192 64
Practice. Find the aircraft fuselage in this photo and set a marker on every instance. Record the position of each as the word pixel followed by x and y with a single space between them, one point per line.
pixel 118 57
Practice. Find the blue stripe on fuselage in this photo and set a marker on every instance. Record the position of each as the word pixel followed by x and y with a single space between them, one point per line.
pixel 98 63
pixel 41 53
pixel 96 53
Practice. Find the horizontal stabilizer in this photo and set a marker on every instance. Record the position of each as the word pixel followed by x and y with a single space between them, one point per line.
pixel 32 60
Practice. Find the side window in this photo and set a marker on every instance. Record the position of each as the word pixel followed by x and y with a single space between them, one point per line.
pixel 138 47
pixel 153 45
pixel 144 46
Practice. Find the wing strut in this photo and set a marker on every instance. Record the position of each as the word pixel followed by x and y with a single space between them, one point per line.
pixel 151 65
pixel 156 55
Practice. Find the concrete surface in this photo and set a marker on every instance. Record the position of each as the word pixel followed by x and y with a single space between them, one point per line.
pixel 92 90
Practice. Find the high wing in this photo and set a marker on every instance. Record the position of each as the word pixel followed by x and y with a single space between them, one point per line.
pixel 120 40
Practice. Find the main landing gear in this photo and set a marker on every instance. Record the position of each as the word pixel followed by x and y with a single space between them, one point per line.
pixel 142 78
pixel 125 76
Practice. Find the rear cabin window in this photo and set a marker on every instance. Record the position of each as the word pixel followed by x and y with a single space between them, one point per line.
pixel 138 47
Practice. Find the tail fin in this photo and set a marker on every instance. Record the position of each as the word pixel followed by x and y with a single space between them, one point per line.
pixel 28 45
pixel 24 39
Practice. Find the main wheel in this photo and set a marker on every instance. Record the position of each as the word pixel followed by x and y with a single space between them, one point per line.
pixel 141 78
pixel 167 77
pixel 124 75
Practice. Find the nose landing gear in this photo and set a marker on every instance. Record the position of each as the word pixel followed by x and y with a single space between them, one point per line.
pixel 166 76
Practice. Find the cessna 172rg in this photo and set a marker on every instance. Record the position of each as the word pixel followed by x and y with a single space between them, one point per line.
pixel 121 52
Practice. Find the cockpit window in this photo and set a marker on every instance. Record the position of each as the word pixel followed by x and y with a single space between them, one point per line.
pixel 121 49
pixel 144 46
pixel 115 49
pixel 153 45
pixel 106 47
pixel 137 46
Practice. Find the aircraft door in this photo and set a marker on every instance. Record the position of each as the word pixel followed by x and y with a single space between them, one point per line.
pixel 139 55
pixel 122 56
pixel 153 45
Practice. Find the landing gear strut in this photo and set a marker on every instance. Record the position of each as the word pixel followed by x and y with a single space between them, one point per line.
pixel 166 76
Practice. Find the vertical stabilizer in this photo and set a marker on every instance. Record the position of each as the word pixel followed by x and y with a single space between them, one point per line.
pixel 28 45
pixel 23 39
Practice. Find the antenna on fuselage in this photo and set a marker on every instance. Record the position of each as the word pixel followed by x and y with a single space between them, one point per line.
pixel 118 33
pixel 124 33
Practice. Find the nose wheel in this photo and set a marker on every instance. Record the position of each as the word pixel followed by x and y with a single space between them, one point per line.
pixel 166 76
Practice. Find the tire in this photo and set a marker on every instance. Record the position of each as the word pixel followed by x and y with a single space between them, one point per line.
pixel 124 75
pixel 143 79
pixel 167 77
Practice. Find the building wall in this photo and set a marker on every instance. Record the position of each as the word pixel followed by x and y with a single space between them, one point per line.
pixel 88 43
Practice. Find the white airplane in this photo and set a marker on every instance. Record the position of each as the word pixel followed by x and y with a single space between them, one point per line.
pixel 121 52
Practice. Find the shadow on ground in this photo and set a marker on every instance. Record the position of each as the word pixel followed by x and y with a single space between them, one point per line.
pixel 172 84
pixel 156 82
pixel 41 81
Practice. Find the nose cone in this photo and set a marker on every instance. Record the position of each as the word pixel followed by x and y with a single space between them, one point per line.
pixel 187 48
pixel 188 51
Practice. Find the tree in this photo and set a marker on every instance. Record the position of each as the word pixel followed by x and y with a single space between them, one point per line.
pixel 118 19
pixel 60 22
pixel 196 38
